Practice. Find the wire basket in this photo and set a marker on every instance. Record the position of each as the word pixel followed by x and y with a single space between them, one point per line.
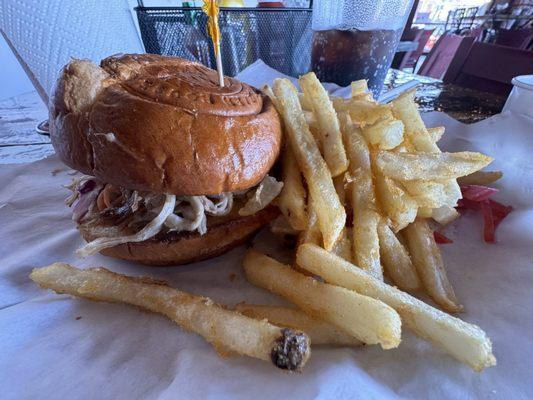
pixel 281 37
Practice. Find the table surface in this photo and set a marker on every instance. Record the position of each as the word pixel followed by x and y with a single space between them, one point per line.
pixel 19 142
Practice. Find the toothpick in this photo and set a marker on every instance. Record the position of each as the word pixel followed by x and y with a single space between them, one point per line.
pixel 210 7
pixel 219 67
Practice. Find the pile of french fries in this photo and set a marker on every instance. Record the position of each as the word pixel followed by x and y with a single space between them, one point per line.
pixel 363 182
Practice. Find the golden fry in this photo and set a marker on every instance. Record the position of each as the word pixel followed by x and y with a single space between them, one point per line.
pixel 328 123
pixel 427 259
pixel 396 260
pixel 291 200
pixel 221 327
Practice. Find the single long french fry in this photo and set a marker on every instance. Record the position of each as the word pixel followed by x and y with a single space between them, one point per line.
pixel 427 259
pixel 396 260
pixel 405 109
pixel 328 123
pixel 429 166
pixel 366 319
pixel 291 200
pixel 223 328
pixel 433 194
pixel 466 342
pixel 365 242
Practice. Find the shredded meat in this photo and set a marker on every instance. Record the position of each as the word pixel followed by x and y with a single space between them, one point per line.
pixel 145 214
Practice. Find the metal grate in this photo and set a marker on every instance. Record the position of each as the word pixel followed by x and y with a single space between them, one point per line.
pixel 281 37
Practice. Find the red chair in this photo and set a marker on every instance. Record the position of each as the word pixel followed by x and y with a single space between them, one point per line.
pixel 443 52
pixel 489 67
pixel 410 58
pixel 517 38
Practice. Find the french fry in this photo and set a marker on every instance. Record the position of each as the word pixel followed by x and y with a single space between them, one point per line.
pixel 427 260
pixel 314 128
pixel 429 166
pixel 359 87
pixel 436 133
pixel 480 178
pixel 339 182
pixel 330 212
pixel 311 120
pixel 396 260
pixel 356 147
pixel 432 194
pixel 424 212
pixel 343 247
pixel 444 215
pixel 305 102
pixel 400 208
pixel 405 109
pixel 365 218
pixel 221 327
pixel 365 237
pixel 311 234
pixel 328 123
pixel 319 331
pixel 291 200
pixel 363 112
pixel 364 318
pixel 466 342
pixel 385 134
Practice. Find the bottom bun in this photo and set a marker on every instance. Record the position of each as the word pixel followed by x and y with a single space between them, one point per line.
pixel 187 247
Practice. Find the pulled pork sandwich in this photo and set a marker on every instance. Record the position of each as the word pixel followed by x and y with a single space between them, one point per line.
pixel 175 165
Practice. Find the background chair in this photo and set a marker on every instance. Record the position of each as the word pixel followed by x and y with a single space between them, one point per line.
pixel 440 57
pixel 489 67
pixel 518 38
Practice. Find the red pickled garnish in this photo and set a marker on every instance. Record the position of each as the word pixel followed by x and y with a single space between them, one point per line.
pixel 488 222
pixel 468 204
pixel 499 211
pixel 476 197
pixel 441 239
pixel 477 192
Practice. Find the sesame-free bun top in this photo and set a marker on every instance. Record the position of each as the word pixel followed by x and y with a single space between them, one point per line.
pixel 162 124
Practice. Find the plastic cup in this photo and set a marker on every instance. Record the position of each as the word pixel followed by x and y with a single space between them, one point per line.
pixel 356 39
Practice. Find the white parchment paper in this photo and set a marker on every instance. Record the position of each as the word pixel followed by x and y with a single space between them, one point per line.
pixel 55 347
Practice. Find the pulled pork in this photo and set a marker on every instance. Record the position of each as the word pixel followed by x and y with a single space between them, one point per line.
pixel 147 214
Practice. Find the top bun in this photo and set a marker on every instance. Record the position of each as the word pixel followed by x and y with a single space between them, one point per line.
pixel 162 124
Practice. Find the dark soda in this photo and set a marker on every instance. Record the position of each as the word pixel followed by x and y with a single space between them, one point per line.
pixel 341 57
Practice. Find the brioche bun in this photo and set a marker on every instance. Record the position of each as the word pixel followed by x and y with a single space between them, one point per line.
pixel 163 125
